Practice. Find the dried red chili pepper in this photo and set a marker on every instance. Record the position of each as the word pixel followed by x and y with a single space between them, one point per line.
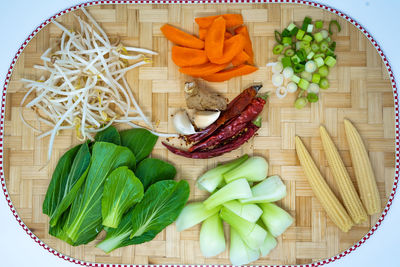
pixel 250 130
pixel 234 108
pixel 234 127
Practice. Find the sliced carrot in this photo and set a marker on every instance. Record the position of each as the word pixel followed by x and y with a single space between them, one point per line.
pixel 240 58
pixel 230 73
pixel 202 33
pixel 181 38
pixel 248 48
pixel 232 20
pixel 203 70
pixel 183 56
pixel 214 43
pixel 228 35
pixel 232 47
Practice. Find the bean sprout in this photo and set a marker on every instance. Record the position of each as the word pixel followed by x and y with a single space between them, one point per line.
pixel 86 88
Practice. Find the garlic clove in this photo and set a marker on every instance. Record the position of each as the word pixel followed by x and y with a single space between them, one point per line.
pixel 203 119
pixel 182 123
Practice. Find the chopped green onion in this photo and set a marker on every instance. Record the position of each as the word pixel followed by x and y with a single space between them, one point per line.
pixel 298 68
pixel 295 79
pixel 318 37
pixel 287 72
pixel 300 103
pixel 325 34
pixel 334 22
pixel 328 39
pixel 310 55
pixel 304 44
pixel 286 62
pixel 313 88
pixel 316 78
pixel 312 97
pixel 319 55
pixel 277 49
pixel 329 52
pixel 286 33
pixel 310 66
pixel 323 71
pixel 286 41
pixel 319 61
pixel 324 84
pixel 306 76
pixel 319 24
pixel 330 61
pixel 291 26
pixel 294 31
pixel 306 21
pixel 300 34
pixel 295 59
pixel 303 84
pixel 291 87
pixel 307 38
pixel 310 28
pixel 314 47
pixel 278 37
pixel 324 46
pixel 301 54
pixel 307 50
pixel 289 52
pixel 332 46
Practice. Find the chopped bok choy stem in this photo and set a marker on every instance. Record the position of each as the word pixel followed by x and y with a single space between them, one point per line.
pixel 237 189
pixel 192 214
pixel 254 169
pixel 269 190
pixel 251 233
pixel 210 180
pixel 276 219
pixel 240 253
pixel 268 245
pixel 212 238
pixel 250 212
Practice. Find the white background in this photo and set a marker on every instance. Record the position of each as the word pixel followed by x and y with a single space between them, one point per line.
pixel 18 18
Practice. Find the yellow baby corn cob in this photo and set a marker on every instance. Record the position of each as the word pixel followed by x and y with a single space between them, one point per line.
pixel 346 188
pixel 330 203
pixel 363 170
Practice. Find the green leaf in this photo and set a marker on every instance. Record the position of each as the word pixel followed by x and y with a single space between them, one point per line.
pixel 54 192
pixel 152 170
pixel 139 141
pixel 121 191
pixel 110 135
pixel 160 207
pixel 74 181
pixel 84 221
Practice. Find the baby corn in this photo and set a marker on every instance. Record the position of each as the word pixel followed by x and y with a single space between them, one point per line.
pixel 329 202
pixel 342 178
pixel 363 170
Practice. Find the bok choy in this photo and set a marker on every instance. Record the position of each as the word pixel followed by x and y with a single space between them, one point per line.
pixel 192 214
pixel 269 190
pixel 212 239
pixel 250 212
pixel 276 219
pixel 240 253
pixel 253 169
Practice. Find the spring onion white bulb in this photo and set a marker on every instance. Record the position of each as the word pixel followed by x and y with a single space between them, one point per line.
pixel 291 87
pixel 281 92
pixel 313 88
pixel 85 88
pixel 288 72
pixel 277 68
pixel 277 79
pixel 212 238
pixel 270 190
pixel 310 66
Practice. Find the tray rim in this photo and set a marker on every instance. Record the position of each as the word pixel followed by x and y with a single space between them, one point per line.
pixel 105 2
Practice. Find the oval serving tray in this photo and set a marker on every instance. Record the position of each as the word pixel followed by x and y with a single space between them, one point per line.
pixel 361 89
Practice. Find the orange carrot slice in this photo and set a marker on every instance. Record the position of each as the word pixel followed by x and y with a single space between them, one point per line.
pixel 181 38
pixel 230 73
pixel 203 70
pixel 248 46
pixel 240 58
pixel 214 43
pixel 232 20
pixel 183 56
pixel 232 47
pixel 202 33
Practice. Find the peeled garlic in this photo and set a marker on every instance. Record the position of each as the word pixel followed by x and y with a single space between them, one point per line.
pixel 203 119
pixel 182 123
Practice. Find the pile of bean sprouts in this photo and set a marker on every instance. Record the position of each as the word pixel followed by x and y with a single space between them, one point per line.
pixel 86 88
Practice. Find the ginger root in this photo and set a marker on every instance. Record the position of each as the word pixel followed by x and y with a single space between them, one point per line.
pixel 201 99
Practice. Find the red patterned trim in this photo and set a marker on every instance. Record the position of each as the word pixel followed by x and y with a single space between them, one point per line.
pixel 308 3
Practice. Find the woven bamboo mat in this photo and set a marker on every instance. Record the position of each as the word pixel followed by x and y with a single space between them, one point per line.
pixel 360 90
